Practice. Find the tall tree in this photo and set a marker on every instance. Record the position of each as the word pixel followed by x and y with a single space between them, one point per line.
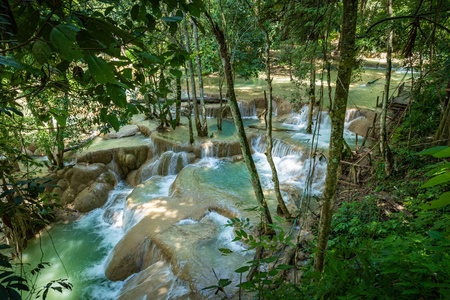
pixel 198 125
pixel 232 102
pixel 384 147
pixel 261 22
pixel 346 62
pixel 204 125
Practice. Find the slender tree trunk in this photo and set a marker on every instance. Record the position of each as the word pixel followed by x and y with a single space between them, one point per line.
pixel 269 147
pixel 384 147
pixel 218 33
pixel 219 116
pixel 204 125
pixel 178 103
pixel 189 113
pixel 198 125
pixel 312 96
pixel 346 61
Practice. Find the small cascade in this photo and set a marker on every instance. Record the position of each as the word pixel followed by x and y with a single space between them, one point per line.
pixel 169 163
pixel 280 148
pixel 208 150
pixel 351 115
pixel 136 202
pixel 247 109
pixel 211 111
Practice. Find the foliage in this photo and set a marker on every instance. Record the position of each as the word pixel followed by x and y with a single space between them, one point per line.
pixel 265 268
pixel 441 176
pixel 405 256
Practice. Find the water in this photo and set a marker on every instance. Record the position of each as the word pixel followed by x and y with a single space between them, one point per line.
pixel 85 246
pixel 70 248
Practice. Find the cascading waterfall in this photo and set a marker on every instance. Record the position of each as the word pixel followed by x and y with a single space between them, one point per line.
pixel 200 239
pixel 247 109
pixel 169 163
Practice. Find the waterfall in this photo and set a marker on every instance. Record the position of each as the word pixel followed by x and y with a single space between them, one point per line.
pixel 280 148
pixel 247 109
pixel 169 163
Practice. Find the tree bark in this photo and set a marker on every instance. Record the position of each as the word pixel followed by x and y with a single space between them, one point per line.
pixel 204 125
pixel 312 96
pixel 198 125
pixel 346 61
pixel 384 147
pixel 218 33
pixel 269 147
pixel 219 116
pixel 178 103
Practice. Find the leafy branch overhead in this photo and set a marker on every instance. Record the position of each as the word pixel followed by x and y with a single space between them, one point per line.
pixel 45 41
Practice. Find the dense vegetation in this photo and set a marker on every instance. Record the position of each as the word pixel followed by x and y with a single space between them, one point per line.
pixel 73 69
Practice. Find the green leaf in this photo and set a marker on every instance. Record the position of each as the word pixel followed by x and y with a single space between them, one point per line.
pixel 439 169
pixel 224 282
pixel 87 42
pixel 41 51
pixel 176 73
pixel 100 70
pixel 225 250
pixel 63 38
pixel 443 200
pixel 273 272
pixel 432 151
pixel 112 119
pixel 436 235
pixel 440 179
pixel 11 62
pixel 283 267
pixel 149 57
pixel 135 12
pixel 443 153
pixel 242 269
pixel 117 95
pixel 172 19
pixel 132 108
pixel 59 115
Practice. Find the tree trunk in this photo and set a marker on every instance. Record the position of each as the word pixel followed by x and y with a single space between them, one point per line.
pixel 384 147
pixel 189 113
pixel 346 61
pixel 219 116
pixel 218 33
pixel 204 125
pixel 178 103
pixel 312 96
pixel 198 125
pixel 276 183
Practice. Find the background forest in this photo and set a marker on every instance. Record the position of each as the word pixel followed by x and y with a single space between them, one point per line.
pixel 74 70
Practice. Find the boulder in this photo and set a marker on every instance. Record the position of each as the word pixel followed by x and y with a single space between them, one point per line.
pixel 283 106
pixel 125 131
pixel 68 196
pixel 360 126
pixel 92 197
pixel 83 174
pixel 145 130
pixel 101 156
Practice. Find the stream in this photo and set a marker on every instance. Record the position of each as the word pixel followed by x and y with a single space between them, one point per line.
pixel 81 250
